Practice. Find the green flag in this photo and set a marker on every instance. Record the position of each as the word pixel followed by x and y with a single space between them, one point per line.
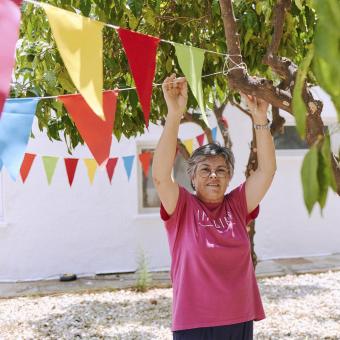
pixel 50 164
pixel 191 61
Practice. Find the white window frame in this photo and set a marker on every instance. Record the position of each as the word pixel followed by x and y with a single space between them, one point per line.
pixel 143 210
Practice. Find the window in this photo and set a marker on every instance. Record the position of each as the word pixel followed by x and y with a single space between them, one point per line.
pixel 289 139
pixel 148 198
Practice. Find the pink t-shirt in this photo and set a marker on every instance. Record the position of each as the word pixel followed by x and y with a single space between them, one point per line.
pixel 213 279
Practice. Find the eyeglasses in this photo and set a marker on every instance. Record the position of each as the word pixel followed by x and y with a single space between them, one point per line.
pixel 219 172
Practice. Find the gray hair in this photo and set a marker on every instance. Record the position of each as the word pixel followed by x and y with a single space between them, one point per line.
pixel 210 150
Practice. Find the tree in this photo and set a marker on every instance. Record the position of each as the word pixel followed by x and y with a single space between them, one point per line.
pixel 277 50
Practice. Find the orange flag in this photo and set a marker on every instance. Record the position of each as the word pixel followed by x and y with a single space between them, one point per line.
pixel 26 165
pixel 96 132
pixel 145 158
pixel 71 166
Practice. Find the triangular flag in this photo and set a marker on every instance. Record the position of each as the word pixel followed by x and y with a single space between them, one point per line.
pixel 96 133
pixel 71 166
pixel 9 27
pixel 191 61
pixel 80 43
pixel 50 164
pixel 15 128
pixel 91 166
pixel 26 165
pixel 145 158
pixel 128 162
pixel 189 145
pixel 110 167
pixel 214 133
pixel 200 139
pixel 141 51
pixel 225 122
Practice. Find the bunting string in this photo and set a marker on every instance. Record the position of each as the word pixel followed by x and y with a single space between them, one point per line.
pixel 40 4
pixel 92 109
pixel 71 163
pixel 241 65
pixel 119 89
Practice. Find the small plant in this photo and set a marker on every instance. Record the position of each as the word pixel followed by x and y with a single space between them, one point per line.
pixel 143 275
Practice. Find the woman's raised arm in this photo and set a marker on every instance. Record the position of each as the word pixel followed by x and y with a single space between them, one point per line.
pixel 176 94
pixel 258 182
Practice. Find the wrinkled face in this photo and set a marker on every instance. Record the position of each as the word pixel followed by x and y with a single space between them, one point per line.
pixel 211 179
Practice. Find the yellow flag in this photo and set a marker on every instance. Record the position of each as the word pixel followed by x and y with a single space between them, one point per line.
pixel 91 165
pixel 80 43
pixel 189 145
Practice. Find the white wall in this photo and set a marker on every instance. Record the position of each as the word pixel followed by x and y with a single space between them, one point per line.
pixel 86 229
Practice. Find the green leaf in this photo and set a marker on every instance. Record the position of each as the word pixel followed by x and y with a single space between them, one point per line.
pixel 299 107
pixel 299 4
pixel 136 7
pixel 326 66
pixel 168 65
pixel 323 180
pixel 149 16
pixel 85 7
pixel 309 177
pixel 66 82
pixel 327 158
pixel 248 35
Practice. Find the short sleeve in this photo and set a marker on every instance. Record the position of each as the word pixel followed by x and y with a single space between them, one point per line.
pixel 238 202
pixel 179 207
pixel 174 222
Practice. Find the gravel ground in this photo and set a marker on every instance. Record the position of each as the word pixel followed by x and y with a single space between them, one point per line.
pixel 297 307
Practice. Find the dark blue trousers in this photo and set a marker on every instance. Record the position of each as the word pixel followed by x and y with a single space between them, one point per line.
pixel 237 331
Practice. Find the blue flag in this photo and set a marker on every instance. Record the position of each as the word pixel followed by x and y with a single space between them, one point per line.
pixel 15 128
pixel 128 161
pixel 214 133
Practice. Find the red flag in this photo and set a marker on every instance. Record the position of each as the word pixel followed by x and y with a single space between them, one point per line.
pixel 200 139
pixel 71 166
pixel 224 122
pixel 145 158
pixel 141 51
pixel 110 167
pixel 26 165
pixel 96 133
pixel 9 28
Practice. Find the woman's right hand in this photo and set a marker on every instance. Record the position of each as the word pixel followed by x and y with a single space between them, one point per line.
pixel 175 92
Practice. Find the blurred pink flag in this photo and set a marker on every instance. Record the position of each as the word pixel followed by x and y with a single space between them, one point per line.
pixel 9 28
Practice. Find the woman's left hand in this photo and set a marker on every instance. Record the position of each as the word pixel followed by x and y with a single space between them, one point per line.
pixel 257 107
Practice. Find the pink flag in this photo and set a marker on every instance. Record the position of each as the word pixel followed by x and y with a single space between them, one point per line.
pixel 9 28
pixel 110 167
pixel 200 139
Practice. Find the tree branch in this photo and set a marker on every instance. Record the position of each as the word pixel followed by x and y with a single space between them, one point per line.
pixel 284 67
pixel 190 118
pixel 277 123
pixel 237 76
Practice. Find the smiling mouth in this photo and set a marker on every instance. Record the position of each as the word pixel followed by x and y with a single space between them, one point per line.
pixel 213 185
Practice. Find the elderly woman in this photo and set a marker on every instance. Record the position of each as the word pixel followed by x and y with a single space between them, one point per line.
pixel 215 293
